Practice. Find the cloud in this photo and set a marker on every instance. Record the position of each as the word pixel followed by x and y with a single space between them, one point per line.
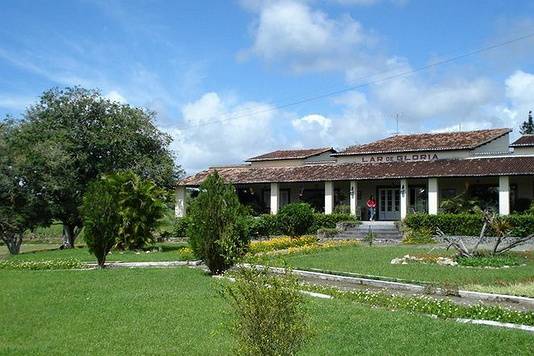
pixel 313 125
pixel 291 32
pixel 15 102
pixel 116 96
pixel 217 131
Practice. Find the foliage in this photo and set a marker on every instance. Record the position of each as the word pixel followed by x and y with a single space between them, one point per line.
pixel 101 218
pixel 20 208
pixel 270 314
pixel 424 235
pixel 327 233
pixel 369 237
pixel 140 206
pixel 442 308
pixel 186 254
pixel 217 232
pixel 342 209
pixel 68 263
pixel 263 226
pixel 280 243
pixel 296 219
pixel 488 260
pixel 73 135
pixel 527 127
pixel 179 227
pixel 329 221
pixel 460 204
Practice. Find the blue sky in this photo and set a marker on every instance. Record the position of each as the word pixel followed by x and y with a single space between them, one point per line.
pixel 219 73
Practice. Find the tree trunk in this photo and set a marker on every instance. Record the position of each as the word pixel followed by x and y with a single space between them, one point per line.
pixel 13 243
pixel 69 235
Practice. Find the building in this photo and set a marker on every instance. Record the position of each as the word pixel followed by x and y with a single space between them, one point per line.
pixel 405 173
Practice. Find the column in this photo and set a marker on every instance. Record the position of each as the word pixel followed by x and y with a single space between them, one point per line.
pixel 353 197
pixel 504 195
pixel 275 198
pixel 433 190
pixel 403 199
pixel 328 197
pixel 179 208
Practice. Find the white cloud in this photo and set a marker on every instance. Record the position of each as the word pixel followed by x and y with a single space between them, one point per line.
pixel 316 126
pixel 116 96
pixel 289 31
pixel 217 131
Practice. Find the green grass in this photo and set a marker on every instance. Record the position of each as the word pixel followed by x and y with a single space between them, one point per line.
pixel 178 311
pixel 376 260
pixel 82 254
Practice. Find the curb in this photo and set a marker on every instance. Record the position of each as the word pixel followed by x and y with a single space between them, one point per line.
pixel 161 264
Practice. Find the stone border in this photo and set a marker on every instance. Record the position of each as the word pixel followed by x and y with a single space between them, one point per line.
pixel 159 264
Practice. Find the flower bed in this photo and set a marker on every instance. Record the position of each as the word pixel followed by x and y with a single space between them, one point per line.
pixel 42 265
pixel 281 243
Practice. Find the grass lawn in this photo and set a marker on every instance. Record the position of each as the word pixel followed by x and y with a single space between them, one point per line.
pixel 163 311
pixel 376 260
pixel 42 253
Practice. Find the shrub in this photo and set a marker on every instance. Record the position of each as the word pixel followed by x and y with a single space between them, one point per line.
pixel 329 221
pixel 101 218
pixel 140 206
pixel 263 226
pixel 327 233
pixel 296 219
pixel 422 235
pixel 270 313
pixel 342 209
pixel 217 231
pixel 468 224
pixel 280 243
pixel 179 227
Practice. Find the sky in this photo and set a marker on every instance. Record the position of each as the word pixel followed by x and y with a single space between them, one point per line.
pixel 233 79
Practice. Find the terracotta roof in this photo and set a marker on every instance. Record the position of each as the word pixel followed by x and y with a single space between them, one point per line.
pixel 291 154
pixel 523 141
pixel 427 142
pixel 366 171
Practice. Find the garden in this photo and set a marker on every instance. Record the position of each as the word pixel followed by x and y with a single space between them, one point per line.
pixel 73 215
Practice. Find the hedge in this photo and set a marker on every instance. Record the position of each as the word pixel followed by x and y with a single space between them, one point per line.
pixel 467 224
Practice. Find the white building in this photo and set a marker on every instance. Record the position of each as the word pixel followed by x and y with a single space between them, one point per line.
pixel 405 173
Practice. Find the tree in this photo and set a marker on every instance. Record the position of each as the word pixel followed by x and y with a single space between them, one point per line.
pixel 140 206
pixel 20 208
pixel 217 230
pixel 101 218
pixel 73 135
pixel 527 128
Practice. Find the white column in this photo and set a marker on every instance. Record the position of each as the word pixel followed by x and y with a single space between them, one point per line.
pixel 504 195
pixel 353 197
pixel 433 196
pixel 179 208
pixel 275 198
pixel 328 197
pixel 404 199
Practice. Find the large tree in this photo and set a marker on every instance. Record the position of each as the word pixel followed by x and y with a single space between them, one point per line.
pixel 20 207
pixel 73 135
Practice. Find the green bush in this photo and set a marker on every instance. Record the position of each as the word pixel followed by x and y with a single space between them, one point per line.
pixel 270 313
pixel 263 226
pixel 328 221
pixel 140 206
pixel 217 230
pixel 342 209
pixel 467 224
pixel 179 227
pixel 102 221
pixel 296 219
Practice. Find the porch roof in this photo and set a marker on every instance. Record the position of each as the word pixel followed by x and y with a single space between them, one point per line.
pixel 476 167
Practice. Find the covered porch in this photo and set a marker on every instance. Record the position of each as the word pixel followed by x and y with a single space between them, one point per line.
pixel 395 197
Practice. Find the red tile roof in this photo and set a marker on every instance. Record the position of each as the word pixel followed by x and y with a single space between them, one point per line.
pixel 366 171
pixel 523 141
pixel 427 142
pixel 291 154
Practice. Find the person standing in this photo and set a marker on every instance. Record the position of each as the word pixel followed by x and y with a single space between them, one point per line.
pixel 371 208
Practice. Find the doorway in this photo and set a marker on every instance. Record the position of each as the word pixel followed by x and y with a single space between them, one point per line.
pixel 388 204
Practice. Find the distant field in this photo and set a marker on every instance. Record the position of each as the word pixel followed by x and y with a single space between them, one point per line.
pixel 179 311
